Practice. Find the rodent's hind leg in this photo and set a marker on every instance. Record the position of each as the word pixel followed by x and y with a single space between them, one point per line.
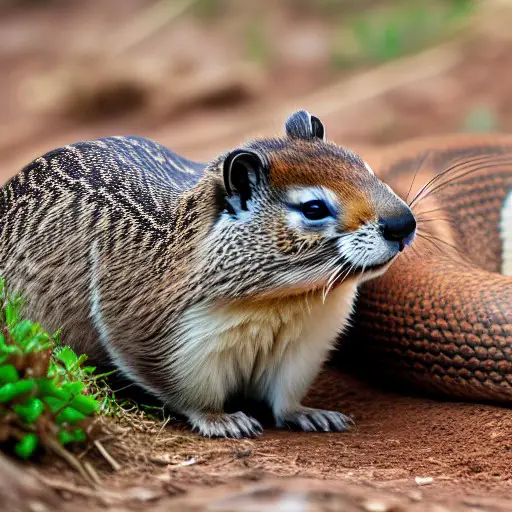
pixel 223 424
pixel 310 419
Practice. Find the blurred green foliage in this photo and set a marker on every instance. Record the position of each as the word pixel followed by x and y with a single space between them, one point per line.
pixel 44 387
pixel 365 32
pixel 207 9
pixel 395 29
pixel 257 49
pixel 481 119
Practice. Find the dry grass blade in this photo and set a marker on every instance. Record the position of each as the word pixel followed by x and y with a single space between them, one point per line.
pixel 73 462
pixel 92 473
pixel 147 23
pixel 113 463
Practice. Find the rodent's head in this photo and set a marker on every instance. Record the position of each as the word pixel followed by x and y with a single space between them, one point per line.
pixel 299 213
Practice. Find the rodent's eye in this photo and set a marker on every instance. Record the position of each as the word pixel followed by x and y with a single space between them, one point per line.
pixel 315 210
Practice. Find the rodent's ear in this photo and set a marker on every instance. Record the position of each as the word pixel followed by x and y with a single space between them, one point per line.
pixel 242 173
pixel 302 125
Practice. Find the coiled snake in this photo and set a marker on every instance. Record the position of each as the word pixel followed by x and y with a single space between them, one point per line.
pixel 441 317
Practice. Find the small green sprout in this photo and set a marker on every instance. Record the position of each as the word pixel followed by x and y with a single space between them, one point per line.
pixel 43 385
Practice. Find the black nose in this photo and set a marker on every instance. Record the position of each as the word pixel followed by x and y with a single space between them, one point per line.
pixel 398 229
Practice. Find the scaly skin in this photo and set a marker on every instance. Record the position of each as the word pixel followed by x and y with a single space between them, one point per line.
pixel 441 318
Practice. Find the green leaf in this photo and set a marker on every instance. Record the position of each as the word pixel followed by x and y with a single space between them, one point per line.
pixel 11 349
pixel 11 313
pixel 31 410
pixel 65 437
pixel 79 362
pixel 73 388
pixel 60 392
pixel 8 373
pixel 70 416
pixel 55 404
pixel 25 448
pixel 85 404
pixel 79 435
pixel 21 331
pixel 48 388
pixel 14 389
pixel 67 356
pixel 76 436
pixel 56 337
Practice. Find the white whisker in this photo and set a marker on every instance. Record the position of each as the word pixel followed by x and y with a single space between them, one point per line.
pixel 332 279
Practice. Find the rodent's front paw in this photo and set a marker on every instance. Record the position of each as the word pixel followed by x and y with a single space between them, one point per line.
pixel 221 424
pixel 309 419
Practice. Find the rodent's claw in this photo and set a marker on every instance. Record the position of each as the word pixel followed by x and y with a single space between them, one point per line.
pixel 309 419
pixel 235 425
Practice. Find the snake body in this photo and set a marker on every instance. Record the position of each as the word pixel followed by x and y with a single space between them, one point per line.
pixel 441 317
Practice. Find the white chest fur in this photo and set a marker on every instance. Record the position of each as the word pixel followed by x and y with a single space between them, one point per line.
pixel 255 346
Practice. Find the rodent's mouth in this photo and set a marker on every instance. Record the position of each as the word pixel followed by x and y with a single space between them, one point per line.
pixel 367 272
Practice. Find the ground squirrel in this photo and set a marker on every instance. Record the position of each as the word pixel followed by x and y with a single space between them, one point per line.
pixel 198 281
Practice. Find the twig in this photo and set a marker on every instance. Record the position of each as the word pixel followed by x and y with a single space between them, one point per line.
pixel 115 465
pixel 92 473
pixel 83 453
pixel 72 461
pixel 68 487
pixel 164 424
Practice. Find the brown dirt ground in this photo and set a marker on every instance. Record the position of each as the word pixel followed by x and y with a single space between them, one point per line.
pixel 466 449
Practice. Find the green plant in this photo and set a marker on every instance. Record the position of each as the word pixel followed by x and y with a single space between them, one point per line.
pixel 383 34
pixel 256 44
pixel 480 118
pixel 208 9
pixel 44 387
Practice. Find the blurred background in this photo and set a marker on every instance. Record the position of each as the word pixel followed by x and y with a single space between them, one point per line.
pixel 202 75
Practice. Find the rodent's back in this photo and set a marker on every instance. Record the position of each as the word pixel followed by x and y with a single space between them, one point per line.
pixel 117 196
pixel 136 174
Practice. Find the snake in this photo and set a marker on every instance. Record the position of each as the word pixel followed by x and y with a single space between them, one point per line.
pixel 440 319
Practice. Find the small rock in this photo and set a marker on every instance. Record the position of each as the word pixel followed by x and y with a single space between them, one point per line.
pixel 375 506
pixel 144 494
pixel 188 462
pixel 423 480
